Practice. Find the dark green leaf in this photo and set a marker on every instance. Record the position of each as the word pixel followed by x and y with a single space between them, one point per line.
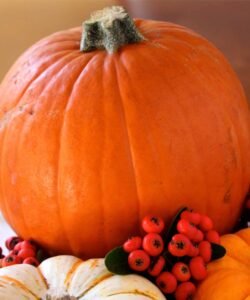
pixel 116 261
pixel 172 227
pixel 41 255
pixel 218 251
pixel 170 259
pixel 171 297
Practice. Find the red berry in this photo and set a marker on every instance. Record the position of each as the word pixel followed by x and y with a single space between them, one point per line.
pixel 185 291
pixel 205 251
pixel 31 261
pixel 184 227
pixel 138 260
pixel 195 218
pixel 206 223
pixel 11 242
pixel 132 244
pixel 198 268
pixel 193 250
pixel 153 224
pixel 181 271
pixel 212 236
pixel 198 236
pixel 10 260
pixel 18 246
pixel 179 245
pixel 156 267
pixel 153 244
pixel 13 252
pixel 192 217
pixel 166 282
pixel 26 252
pixel 28 244
pixel 185 215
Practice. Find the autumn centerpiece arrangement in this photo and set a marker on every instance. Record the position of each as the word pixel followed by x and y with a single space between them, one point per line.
pixel 102 126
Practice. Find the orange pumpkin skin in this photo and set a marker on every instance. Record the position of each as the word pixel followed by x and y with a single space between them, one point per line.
pixel 92 142
pixel 228 278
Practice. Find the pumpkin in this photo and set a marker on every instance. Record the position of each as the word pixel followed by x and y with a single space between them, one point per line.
pixel 69 278
pixel 92 140
pixel 228 278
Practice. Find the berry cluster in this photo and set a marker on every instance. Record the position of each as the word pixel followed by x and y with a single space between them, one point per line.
pixel 21 251
pixel 177 262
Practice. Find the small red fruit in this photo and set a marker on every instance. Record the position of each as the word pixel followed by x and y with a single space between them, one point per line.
pixel 193 250
pixel 153 244
pixel 185 291
pixel 186 215
pixel 198 268
pixel 26 252
pixel 166 282
pixel 10 260
pixel 18 246
pixel 195 218
pixel 132 244
pixel 206 223
pixel 192 217
pixel 153 224
pixel 12 241
pixel 28 244
pixel 179 245
pixel 205 251
pixel 139 260
pixel 198 236
pixel 31 261
pixel 156 267
pixel 13 252
pixel 181 271
pixel 212 236
pixel 184 227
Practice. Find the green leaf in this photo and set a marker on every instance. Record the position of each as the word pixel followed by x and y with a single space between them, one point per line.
pixel 41 255
pixel 172 227
pixel 218 251
pixel 116 261
pixel 172 230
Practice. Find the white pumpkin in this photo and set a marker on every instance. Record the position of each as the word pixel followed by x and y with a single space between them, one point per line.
pixel 69 278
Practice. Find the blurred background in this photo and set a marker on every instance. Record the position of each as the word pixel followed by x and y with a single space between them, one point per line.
pixel 224 22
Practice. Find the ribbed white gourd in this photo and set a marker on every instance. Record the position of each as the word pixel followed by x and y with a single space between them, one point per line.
pixel 69 278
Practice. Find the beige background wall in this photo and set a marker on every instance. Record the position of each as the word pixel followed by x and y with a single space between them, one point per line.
pixel 224 22
pixel 23 22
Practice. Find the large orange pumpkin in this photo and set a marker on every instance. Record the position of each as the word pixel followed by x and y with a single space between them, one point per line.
pixel 229 278
pixel 92 141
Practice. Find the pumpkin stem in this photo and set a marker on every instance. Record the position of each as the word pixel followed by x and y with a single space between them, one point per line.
pixel 109 29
